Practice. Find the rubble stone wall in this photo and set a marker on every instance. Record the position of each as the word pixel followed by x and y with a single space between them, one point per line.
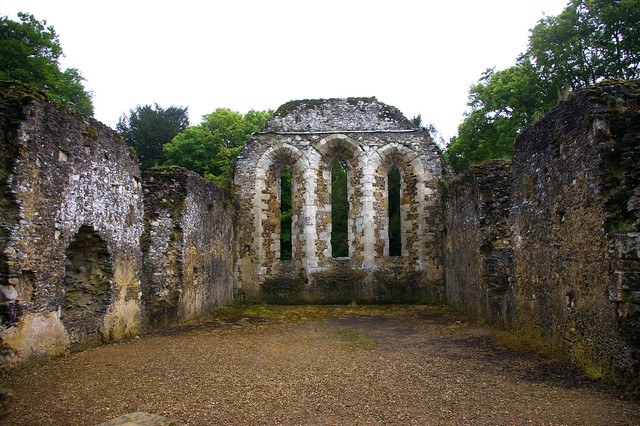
pixel 479 254
pixel 550 247
pixel 188 246
pixel 307 137
pixel 576 217
pixel 70 191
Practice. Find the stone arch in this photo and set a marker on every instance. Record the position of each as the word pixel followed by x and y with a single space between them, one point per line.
pixel 339 147
pixel 412 204
pixel 266 204
pixel 88 288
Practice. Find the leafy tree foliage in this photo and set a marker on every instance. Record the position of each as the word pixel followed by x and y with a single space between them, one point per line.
pixel 590 40
pixel 502 104
pixel 211 147
pixel 339 210
pixel 30 52
pixel 286 216
pixel 147 128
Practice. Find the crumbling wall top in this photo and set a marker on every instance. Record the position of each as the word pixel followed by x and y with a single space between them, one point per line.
pixel 324 115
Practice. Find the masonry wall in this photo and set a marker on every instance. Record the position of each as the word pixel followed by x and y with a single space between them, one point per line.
pixel 550 247
pixel 478 250
pixel 188 246
pixel 70 193
pixel 307 137
pixel 575 227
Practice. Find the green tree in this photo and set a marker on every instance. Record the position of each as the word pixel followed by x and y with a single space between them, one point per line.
pixel 211 147
pixel 30 52
pixel 339 209
pixel 286 216
pixel 502 104
pixel 394 185
pixel 147 128
pixel 590 40
pixel 233 128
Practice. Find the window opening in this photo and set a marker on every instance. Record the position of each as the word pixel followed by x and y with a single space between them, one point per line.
pixel 286 252
pixel 395 226
pixel 339 210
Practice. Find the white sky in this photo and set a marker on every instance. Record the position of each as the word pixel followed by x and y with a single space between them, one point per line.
pixel 419 56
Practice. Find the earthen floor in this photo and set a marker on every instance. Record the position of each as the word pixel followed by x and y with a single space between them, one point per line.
pixel 316 366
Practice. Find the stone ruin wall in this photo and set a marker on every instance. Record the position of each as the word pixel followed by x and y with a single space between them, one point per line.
pixel 306 137
pixel 187 246
pixel 574 190
pixel 576 205
pixel 479 253
pixel 73 222
pixel 548 246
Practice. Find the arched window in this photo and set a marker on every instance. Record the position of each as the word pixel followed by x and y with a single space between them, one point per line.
pixel 286 252
pixel 395 226
pixel 339 210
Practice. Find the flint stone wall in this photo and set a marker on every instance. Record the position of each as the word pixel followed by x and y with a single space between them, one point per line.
pixel 576 217
pixel 306 137
pixel 65 179
pixel 188 246
pixel 479 254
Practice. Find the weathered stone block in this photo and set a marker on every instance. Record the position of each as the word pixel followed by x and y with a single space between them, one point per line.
pixel 139 419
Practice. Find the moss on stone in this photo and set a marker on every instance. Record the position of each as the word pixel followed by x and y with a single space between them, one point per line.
pixel 306 104
pixel 92 132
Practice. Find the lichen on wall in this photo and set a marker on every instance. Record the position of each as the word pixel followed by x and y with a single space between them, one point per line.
pixel 308 137
pixel 575 222
pixel 188 246
pixel 62 172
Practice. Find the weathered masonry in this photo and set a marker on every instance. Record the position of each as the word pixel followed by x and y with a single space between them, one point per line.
pixel 371 140
pixel 549 244
pixel 70 221
pixel 336 201
pixel 187 246
pixel 89 251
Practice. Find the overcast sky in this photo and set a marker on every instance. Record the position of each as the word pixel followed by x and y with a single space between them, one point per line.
pixel 420 56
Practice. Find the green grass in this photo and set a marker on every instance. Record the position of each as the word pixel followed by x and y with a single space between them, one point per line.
pixel 355 336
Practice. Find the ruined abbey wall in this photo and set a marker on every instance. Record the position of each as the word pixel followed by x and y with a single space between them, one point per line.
pixel 187 246
pixel 479 253
pixel 88 252
pixel 306 138
pixel 547 245
pixel 71 224
pixel 567 216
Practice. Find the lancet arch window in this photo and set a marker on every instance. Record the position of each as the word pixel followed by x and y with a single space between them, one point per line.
pixel 339 209
pixel 286 215
pixel 394 231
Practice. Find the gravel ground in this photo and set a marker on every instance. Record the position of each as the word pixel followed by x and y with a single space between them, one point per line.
pixel 315 366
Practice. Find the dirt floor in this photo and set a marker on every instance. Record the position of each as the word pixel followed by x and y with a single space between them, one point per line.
pixel 316 366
